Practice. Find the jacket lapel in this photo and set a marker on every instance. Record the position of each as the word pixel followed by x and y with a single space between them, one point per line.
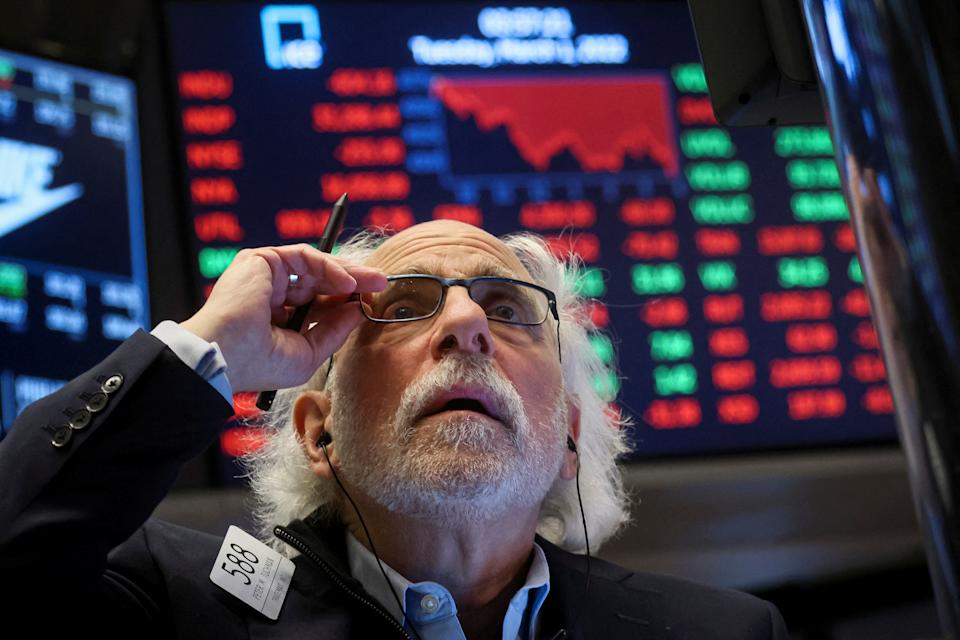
pixel 609 609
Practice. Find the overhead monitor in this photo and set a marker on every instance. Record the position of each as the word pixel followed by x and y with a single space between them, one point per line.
pixel 73 271
pixel 721 263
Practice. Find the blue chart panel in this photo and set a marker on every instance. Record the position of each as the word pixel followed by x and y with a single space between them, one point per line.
pixel 73 278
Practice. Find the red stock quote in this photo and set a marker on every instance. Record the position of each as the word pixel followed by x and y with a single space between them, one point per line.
pixel 720 264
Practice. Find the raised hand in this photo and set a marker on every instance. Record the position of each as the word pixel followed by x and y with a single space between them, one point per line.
pixel 252 299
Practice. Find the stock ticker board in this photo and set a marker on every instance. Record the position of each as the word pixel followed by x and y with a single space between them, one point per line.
pixel 720 263
pixel 73 271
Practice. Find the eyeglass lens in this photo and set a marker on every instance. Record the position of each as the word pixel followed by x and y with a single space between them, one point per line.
pixel 416 298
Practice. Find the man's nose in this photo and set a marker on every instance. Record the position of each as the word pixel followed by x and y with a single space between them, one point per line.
pixel 462 325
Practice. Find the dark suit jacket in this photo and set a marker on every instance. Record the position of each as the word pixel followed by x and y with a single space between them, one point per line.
pixel 78 550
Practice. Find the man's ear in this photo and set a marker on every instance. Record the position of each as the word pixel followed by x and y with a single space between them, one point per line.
pixel 311 415
pixel 568 471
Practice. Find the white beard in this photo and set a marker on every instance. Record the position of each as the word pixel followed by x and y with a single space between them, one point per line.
pixel 451 468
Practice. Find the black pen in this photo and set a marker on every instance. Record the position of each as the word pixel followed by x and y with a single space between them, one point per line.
pixel 331 232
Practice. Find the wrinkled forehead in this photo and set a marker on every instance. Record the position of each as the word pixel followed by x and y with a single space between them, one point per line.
pixel 447 248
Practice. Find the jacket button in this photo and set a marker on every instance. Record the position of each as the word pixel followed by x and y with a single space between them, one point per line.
pixel 80 419
pixel 62 436
pixel 112 383
pixel 97 402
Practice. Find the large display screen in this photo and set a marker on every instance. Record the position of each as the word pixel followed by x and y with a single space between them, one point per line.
pixel 721 264
pixel 73 273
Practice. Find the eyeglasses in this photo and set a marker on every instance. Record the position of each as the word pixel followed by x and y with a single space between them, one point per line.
pixel 412 297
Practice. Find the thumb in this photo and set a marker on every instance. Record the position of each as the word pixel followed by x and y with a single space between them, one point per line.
pixel 331 330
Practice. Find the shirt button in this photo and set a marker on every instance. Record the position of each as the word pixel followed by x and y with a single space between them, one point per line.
pixel 429 603
pixel 112 383
pixel 97 402
pixel 62 436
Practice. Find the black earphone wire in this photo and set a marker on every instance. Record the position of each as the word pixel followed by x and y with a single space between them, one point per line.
pixel 323 445
pixel 586 541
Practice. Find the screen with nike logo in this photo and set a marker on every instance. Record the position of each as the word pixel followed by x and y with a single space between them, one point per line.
pixel 73 274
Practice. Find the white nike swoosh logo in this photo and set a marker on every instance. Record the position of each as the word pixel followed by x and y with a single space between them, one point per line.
pixel 27 208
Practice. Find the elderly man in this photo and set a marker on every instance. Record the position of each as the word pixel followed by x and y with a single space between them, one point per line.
pixel 436 415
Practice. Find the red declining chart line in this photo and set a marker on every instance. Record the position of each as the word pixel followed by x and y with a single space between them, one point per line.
pixel 600 120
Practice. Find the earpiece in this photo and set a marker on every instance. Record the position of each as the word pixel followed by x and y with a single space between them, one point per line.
pixel 324 439
pixel 571 444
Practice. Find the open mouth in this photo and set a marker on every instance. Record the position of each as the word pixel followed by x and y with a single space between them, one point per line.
pixel 462 400
pixel 464 404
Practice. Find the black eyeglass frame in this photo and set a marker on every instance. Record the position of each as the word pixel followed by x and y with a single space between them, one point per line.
pixel 446 283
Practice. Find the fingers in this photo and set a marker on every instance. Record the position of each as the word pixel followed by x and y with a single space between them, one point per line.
pixel 323 306
pixel 321 309
pixel 280 315
pixel 340 276
pixel 252 302
pixel 369 279
pixel 279 274
pixel 320 273
pixel 322 269
pixel 333 326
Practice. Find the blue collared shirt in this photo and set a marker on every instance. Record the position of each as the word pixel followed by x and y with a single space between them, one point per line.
pixel 429 608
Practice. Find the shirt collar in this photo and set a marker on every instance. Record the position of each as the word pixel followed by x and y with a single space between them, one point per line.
pixel 520 621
